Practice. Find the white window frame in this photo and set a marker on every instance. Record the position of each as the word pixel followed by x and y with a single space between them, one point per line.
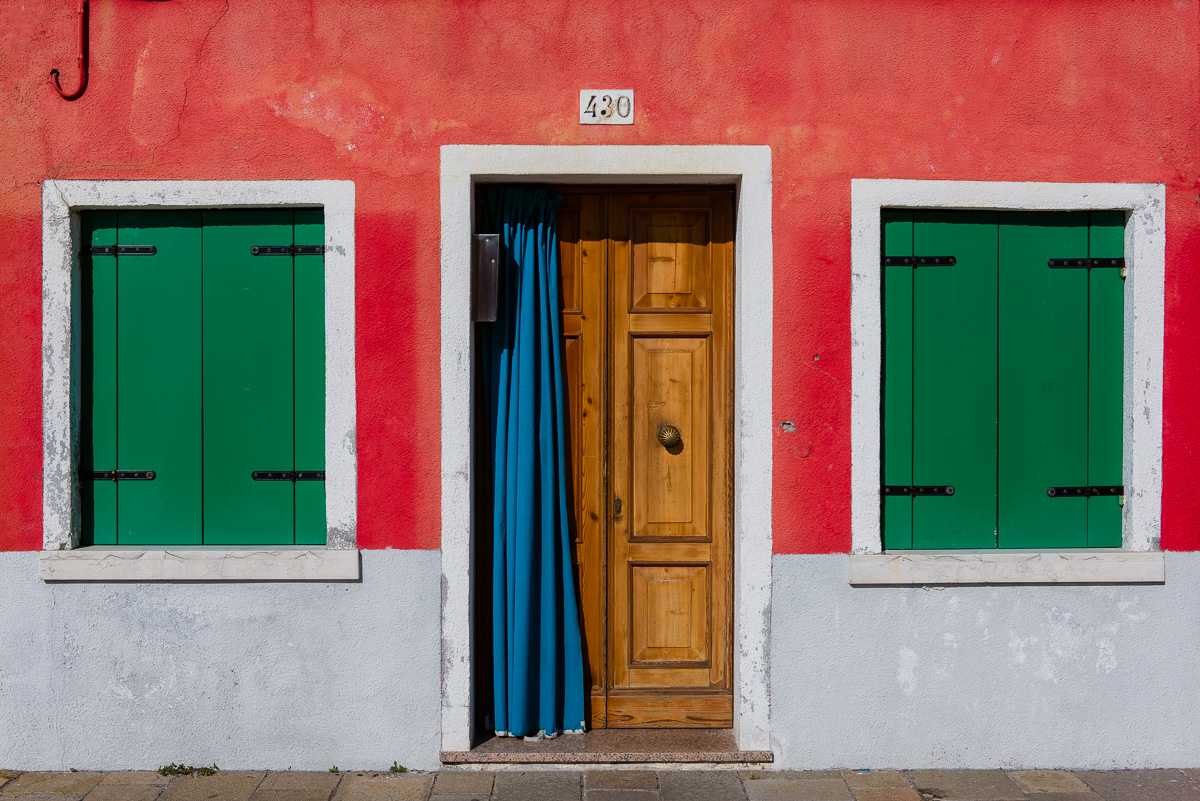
pixel 1139 559
pixel 749 168
pixel 62 559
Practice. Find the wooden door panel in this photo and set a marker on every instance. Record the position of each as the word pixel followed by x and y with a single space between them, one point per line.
pixel 671 384
pixel 670 711
pixel 670 258
pixel 668 611
pixel 670 543
pixel 570 254
pixel 582 285
pixel 572 354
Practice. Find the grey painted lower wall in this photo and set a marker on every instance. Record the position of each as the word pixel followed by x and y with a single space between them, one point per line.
pixel 277 675
pixel 1016 676
pixel 263 675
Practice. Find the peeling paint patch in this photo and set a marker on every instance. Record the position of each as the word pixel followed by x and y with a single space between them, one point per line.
pixel 343 109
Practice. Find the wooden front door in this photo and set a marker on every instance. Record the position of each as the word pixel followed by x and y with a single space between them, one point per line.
pixel 647 284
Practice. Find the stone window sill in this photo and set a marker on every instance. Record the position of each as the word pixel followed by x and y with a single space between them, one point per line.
pixel 114 563
pixel 1084 566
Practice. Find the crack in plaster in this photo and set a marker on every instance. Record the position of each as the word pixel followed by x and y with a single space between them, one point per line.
pixel 187 81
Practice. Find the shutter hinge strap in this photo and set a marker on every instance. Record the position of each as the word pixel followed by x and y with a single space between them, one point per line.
pixel 123 250
pixel 902 489
pixel 122 475
pixel 288 475
pixel 1085 492
pixel 287 250
pixel 1087 264
pixel 919 261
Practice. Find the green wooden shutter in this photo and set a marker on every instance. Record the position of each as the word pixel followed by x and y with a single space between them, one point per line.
pixel 158 378
pixel 1043 380
pixel 203 363
pixel 1106 344
pixel 1002 377
pixel 897 379
pixel 954 379
pixel 98 382
pixel 249 380
pixel 310 377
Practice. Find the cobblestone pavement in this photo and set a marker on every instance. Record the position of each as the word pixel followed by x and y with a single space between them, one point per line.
pixel 610 785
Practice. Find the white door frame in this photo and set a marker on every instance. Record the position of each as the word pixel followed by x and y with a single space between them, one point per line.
pixel 749 168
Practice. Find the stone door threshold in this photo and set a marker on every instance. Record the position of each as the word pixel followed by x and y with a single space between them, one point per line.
pixel 616 746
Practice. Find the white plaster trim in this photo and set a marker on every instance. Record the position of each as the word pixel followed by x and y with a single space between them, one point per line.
pixel 1145 253
pixel 195 564
pixel 61 203
pixel 750 168
pixel 1009 567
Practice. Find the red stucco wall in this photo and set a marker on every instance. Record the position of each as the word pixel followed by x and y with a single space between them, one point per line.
pixel 1094 90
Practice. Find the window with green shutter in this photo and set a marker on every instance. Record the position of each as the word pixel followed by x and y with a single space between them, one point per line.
pixel 203 377
pixel 1002 379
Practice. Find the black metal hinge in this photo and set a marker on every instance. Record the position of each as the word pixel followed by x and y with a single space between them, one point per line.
pixel 123 475
pixel 902 489
pixel 919 261
pixel 288 475
pixel 123 250
pixel 1084 492
pixel 288 250
pixel 1085 263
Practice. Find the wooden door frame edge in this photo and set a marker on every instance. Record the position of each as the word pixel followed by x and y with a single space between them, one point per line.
pixel 748 167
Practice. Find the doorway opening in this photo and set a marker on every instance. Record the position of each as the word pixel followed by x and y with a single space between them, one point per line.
pixel 647 322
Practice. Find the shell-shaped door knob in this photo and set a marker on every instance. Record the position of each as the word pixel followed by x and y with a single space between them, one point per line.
pixel 669 437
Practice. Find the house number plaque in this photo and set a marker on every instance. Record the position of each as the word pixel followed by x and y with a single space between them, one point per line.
pixel 606 107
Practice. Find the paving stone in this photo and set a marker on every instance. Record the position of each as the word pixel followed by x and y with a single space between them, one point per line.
pixel 1048 781
pixel 125 792
pixel 871 779
pixel 135 777
pixel 621 795
pixel 478 782
pixel 221 786
pixel 295 794
pixel 885 794
pixel 1141 785
pixel 620 780
pixel 545 785
pixel 795 788
pixel 469 797
pixel 291 785
pixel 1193 774
pixel 300 780
pixel 64 784
pixel 967 785
pixel 1086 796
pixel 383 787
pixel 710 785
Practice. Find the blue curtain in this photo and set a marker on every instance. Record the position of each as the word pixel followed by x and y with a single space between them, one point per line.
pixel 537 651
